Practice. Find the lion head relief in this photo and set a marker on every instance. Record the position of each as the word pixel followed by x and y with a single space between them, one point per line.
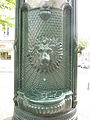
pixel 45 54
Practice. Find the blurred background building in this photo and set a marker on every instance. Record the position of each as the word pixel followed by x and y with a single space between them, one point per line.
pixel 7 38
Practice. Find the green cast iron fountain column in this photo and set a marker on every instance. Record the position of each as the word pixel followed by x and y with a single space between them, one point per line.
pixel 45 60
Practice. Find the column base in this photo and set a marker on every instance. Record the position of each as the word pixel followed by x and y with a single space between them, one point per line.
pixel 23 115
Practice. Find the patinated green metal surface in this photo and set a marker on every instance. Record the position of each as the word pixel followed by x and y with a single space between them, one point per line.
pixel 45 60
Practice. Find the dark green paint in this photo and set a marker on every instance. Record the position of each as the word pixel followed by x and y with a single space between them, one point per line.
pixel 45 62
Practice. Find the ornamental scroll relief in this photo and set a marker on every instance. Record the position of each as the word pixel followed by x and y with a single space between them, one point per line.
pixel 52 3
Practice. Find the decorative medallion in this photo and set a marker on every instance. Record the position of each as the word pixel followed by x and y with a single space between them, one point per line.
pixel 45 54
pixel 45 13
